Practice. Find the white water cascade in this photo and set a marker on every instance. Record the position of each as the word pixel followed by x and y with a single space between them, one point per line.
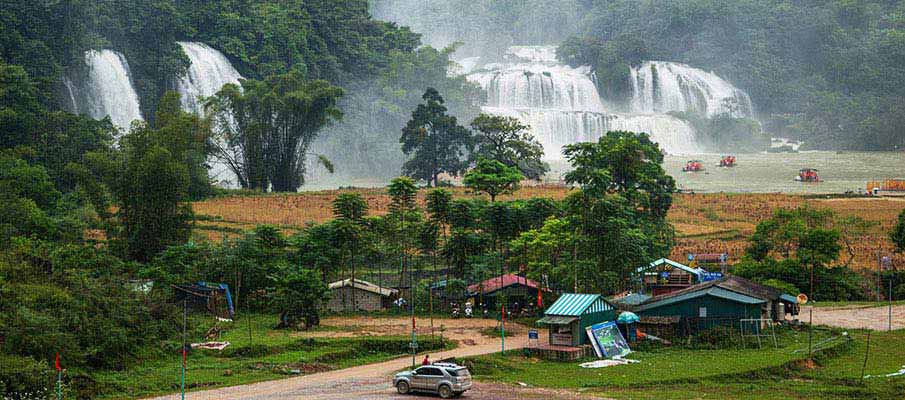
pixel 562 106
pixel 210 70
pixel 108 89
pixel 660 87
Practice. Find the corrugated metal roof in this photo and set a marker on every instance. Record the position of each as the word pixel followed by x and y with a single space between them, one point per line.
pixel 694 271
pixel 788 298
pixel 363 285
pixel 496 283
pixel 711 291
pixel 575 305
pixel 556 320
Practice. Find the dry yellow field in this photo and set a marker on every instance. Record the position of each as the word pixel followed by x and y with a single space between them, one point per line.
pixel 704 223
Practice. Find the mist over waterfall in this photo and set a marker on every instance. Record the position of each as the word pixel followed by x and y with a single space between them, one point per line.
pixel 108 89
pixel 207 74
pixel 561 104
pixel 660 87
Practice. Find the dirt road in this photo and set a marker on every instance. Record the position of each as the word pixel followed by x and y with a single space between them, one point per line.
pixel 373 381
pixel 856 317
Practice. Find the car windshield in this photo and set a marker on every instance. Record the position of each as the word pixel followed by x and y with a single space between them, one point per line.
pixel 459 372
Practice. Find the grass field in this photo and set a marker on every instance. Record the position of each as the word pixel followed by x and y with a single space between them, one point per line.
pixel 256 353
pixel 676 373
pixel 705 223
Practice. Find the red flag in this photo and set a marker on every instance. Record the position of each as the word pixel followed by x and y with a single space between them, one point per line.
pixel 56 362
pixel 540 300
pixel 503 312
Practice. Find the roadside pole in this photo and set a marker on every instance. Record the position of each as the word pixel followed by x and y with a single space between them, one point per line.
pixel 866 352
pixel 890 304
pixel 184 312
pixel 503 329
pixel 810 329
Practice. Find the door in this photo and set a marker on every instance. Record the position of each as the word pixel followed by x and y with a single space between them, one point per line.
pixel 429 378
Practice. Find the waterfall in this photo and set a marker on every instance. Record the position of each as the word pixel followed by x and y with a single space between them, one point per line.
pixel 207 74
pixel 210 70
pixel 70 95
pixel 108 89
pixel 561 103
pixel 660 87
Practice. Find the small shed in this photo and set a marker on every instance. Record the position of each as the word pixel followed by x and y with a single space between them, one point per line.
pixel 568 317
pixel 368 296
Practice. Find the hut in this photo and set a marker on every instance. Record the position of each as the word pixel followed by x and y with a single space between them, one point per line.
pixel 519 292
pixel 368 296
pixel 568 317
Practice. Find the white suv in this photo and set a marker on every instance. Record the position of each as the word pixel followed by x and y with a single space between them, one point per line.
pixel 447 380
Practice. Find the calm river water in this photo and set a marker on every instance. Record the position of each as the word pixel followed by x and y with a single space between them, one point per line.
pixel 775 172
pixel 754 173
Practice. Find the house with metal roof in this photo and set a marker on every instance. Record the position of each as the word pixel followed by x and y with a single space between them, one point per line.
pixel 664 275
pixel 723 301
pixel 568 317
pixel 518 291
pixel 368 296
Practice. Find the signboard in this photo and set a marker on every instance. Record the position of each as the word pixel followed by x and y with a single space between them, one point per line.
pixel 561 339
pixel 532 334
pixel 607 340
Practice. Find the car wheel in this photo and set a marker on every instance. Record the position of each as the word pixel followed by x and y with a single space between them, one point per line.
pixel 402 387
pixel 445 392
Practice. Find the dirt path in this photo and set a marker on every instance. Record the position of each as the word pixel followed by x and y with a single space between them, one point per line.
pixel 373 381
pixel 856 317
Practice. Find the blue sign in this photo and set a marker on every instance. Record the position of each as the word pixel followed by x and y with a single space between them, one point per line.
pixel 532 334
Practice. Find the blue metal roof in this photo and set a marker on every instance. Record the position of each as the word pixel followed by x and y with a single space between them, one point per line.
pixel 788 298
pixel 575 305
pixel 711 291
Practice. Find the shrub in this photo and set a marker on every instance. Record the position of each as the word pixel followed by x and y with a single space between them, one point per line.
pixel 24 378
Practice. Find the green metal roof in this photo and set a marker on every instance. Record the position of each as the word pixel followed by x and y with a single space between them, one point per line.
pixel 711 291
pixel 575 305
pixel 556 320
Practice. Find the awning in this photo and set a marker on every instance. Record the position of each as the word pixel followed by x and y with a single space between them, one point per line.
pixel 556 320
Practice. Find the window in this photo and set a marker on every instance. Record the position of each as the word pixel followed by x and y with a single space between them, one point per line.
pixel 459 372
pixel 702 312
pixel 430 371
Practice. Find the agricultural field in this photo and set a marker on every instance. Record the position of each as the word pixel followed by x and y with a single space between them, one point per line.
pixel 704 223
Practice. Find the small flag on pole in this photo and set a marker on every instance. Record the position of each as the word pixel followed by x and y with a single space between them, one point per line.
pixel 540 299
pixel 56 362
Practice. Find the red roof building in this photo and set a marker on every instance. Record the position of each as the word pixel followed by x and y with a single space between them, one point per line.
pixel 496 283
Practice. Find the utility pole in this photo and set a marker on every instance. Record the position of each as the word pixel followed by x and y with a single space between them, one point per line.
pixel 184 313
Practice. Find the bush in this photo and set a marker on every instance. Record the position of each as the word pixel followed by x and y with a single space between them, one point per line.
pixel 25 378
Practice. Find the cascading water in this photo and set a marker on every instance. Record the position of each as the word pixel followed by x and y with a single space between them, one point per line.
pixel 562 106
pixel 207 74
pixel 209 71
pixel 661 87
pixel 108 89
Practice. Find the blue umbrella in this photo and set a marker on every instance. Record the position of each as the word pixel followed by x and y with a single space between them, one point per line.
pixel 627 318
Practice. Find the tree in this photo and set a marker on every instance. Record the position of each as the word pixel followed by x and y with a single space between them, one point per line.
pixel 898 233
pixel 299 297
pixel 804 236
pixel 267 127
pixel 493 177
pixel 188 138
pixel 508 141
pixel 402 192
pixel 435 141
pixel 625 163
pixel 349 209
